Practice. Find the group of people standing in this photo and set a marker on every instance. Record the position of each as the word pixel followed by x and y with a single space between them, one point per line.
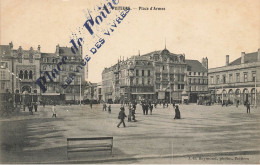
pixel 145 107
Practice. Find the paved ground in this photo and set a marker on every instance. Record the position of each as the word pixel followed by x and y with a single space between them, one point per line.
pixel 210 132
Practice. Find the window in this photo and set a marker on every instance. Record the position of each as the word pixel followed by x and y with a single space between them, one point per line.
pixel 253 76
pixel 149 81
pixel 142 81
pixel 189 73
pixel 142 72
pixel 212 80
pixel 137 73
pixel 230 78
pixel 194 73
pixel 2 75
pixel 30 58
pixel 217 80
pixel 189 80
pixel 136 81
pixel 3 85
pixel 158 77
pixel 245 77
pixel 238 77
pixel 21 74
pixel 199 73
pixel 25 74
pixel 163 68
pixel 149 73
pixel 224 79
pixel 199 81
pixel 157 86
pixel 20 58
pixel 30 74
pixel 180 86
pixel 171 77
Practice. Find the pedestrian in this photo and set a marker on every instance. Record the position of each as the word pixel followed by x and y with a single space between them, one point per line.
pixel 177 112
pixel 90 104
pixel 104 106
pixel 248 107
pixel 143 107
pixel 121 116
pixel 237 103
pixel 130 113
pixel 109 108
pixel 146 108
pixel 53 110
pixel 151 109
pixel 133 114
pixel 35 106
pixel 30 107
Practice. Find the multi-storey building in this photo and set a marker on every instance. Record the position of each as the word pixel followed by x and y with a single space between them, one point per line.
pixel 197 76
pixel 159 75
pixel 21 68
pixel 237 80
pixel 6 69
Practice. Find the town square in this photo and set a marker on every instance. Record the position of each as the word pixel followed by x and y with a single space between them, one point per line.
pixel 202 131
pixel 129 82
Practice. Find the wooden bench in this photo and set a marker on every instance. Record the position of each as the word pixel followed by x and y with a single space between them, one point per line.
pixel 89 144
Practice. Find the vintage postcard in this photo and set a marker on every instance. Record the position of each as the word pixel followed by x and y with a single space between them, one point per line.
pixel 129 81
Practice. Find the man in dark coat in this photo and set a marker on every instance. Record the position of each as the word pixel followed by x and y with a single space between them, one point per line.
pixel 248 107
pixel 143 107
pixel 121 116
pixel 151 109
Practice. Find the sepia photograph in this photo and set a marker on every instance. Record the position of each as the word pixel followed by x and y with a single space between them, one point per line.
pixel 130 82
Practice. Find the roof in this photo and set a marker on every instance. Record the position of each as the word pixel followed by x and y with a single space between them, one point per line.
pixel 49 55
pixel 65 51
pixel 195 66
pixel 5 50
pixel 249 58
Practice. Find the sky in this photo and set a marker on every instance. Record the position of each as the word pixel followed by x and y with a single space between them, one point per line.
pixel 197 28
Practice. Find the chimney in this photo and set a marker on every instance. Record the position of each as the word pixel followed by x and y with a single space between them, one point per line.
pixel 204 62
pixel 39 48
pixel 57 49
pixel 227 60
pixel 258 55
pixel 243 57
pixel 11 45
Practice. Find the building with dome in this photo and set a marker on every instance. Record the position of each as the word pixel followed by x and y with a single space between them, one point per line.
pixel 159 75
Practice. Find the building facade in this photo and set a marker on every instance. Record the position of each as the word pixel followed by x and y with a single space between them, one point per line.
pixel 236 81
pixel 159 75
pixel 197 76
pixel 21 68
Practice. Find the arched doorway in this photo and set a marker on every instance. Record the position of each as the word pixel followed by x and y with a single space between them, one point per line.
pixel 245 95
pixel 26 88
pixel 237 95
pixel 231 95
